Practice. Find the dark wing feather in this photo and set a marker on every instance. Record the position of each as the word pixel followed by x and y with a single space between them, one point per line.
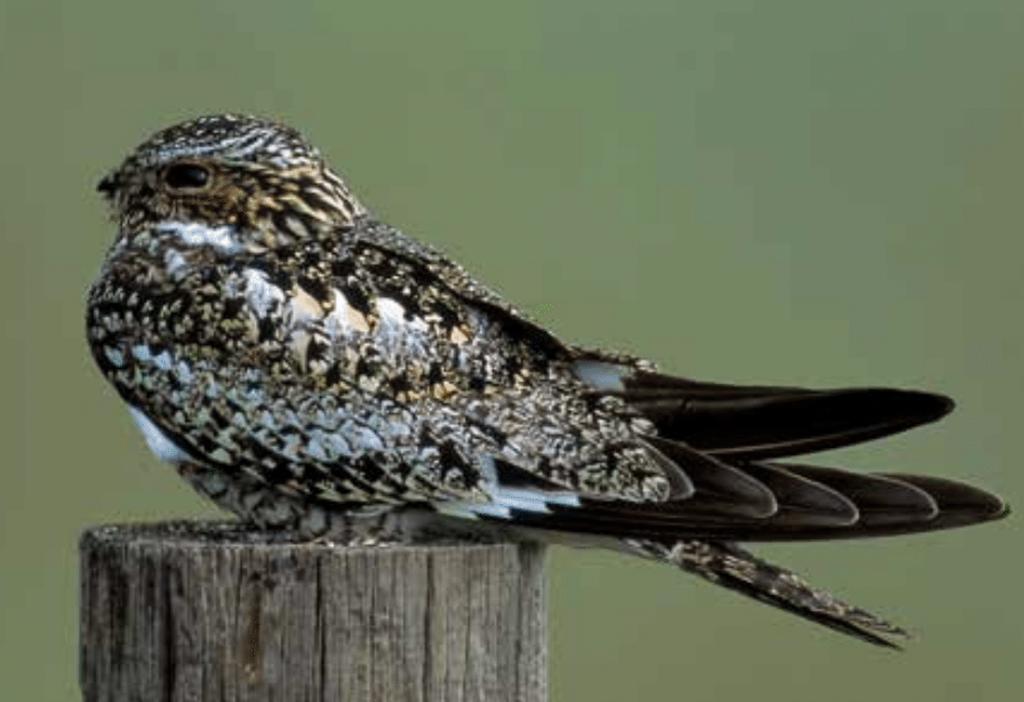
pixel 811 503
pixel 751 422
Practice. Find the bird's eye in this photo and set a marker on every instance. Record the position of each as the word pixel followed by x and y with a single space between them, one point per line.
pixel 186 175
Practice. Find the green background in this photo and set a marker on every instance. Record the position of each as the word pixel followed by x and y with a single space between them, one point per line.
pixel 821 193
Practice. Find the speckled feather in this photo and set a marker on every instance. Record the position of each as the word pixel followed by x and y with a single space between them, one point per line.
pixel 310 367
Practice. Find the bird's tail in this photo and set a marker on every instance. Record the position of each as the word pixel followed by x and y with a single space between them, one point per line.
pixel 729 566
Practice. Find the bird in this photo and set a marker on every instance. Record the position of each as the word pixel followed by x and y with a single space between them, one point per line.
pixel 318 372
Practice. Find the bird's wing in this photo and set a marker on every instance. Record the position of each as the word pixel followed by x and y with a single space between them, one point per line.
pixel 811 502
pixel 708 442
pixel 742 422
pixel 757 422
pixel 701 427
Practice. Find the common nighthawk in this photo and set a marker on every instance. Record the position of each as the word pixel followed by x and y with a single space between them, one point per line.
pixel 309 367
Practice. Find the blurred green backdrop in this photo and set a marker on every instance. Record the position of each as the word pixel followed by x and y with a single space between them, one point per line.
pixel 785 192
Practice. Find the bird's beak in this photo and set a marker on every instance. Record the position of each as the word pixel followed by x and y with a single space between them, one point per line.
pixel 109 185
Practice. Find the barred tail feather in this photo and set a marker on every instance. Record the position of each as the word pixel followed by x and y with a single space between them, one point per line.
pixel 729 566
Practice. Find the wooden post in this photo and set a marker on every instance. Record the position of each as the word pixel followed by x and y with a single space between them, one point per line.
pixel 212 612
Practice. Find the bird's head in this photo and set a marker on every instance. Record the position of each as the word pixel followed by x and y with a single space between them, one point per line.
pixel 255 178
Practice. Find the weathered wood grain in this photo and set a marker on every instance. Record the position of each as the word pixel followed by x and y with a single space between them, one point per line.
pixel 212 613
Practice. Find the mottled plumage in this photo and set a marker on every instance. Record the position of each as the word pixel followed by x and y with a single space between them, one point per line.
pixel 311 368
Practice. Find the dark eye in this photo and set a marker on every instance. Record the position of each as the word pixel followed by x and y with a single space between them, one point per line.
pixel 186 175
